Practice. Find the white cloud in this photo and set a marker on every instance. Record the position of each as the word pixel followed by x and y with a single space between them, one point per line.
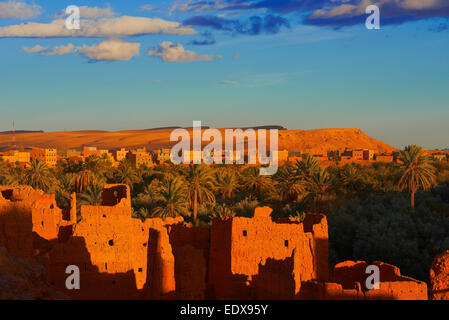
pixel 35 49
pixel 19 9
pixel 111 50
pixel 389 8
pixel 59 50
pixel 124 26
pixel 91 12
pixel 170 52
pixel 146 7
pixel 228 82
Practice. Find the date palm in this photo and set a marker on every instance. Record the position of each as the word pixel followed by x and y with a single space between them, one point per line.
pixel 350 180
pixel 200 187
pixel 4 171
pixel 287 186
pixel 84 180
pixel 39 176
pixel 227 183
pixel 417 173
pixel 256 184
pixel 307 167
pixel 318 187
pixel 13 177
pixel 92 196
pixel 171 199
pixel 126 174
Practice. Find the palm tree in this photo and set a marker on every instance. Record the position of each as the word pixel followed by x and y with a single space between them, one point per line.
pixel 226 183
pixel 92 196
pixel 70 166
pixel 350 180
pixel 13 177
pixel 222 211
pixel 417 172
pixel 39 176
pixel 64 190
pixel 288 187
pixel 84 180
pixel 318 187
pixel 126 174
pixel 256 184
pixel 200 187
pixel 171 199
pixel 4 171
pixel 307 167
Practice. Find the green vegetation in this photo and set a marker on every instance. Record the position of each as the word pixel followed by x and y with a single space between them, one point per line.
pixel 371 211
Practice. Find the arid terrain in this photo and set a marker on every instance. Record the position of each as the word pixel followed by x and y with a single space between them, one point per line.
pixel 318 140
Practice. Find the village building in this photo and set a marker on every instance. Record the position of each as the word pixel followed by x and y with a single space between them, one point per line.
pixel 140 157
pixel 49 156
pixel 119 154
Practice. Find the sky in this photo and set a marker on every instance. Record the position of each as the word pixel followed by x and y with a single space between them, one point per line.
pixel 302 64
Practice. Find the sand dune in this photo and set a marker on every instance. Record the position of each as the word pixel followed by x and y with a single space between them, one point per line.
pixel 318 140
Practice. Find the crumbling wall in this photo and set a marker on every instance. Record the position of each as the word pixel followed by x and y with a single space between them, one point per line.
pixel 21 279
pixel 112 249
pixel 237 258
pixel 191 252
pixel 115 194
pixel 439 277
pixel 393 286
pixel 27 214
pixel 241 247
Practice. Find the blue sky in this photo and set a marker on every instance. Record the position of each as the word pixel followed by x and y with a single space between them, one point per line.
pixel 298 63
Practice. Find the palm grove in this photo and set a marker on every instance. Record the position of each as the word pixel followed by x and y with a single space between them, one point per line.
pixel 397 213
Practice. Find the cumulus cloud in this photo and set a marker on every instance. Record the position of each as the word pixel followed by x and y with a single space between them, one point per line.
pixel 328 12
pixel 146 7
pixel 67 49
pixel 35 49
pixel 19 9
pixel 253 26
pixel 228 82
pixel 92 12
pixel 124 26
pixel 170 52
pixel 110 50
pixel 283 6
pixel 207 39
pixel 392 12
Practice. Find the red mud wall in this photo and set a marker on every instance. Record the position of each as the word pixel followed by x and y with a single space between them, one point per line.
pixel 237 258
pixel 439 277
pixel 253 255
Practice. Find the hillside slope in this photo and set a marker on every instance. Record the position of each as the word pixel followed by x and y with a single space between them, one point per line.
pixel 318 140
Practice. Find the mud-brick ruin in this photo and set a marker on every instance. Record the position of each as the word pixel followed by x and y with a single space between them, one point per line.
pixel 120 257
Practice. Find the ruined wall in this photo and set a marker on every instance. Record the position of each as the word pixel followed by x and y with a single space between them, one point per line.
pixel 237 258
pixel 241 248
pixel 112 251
pixel 439 277
pixel 352 276
pixel 26 215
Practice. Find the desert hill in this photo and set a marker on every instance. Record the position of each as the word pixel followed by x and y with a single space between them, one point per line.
pixel 318 140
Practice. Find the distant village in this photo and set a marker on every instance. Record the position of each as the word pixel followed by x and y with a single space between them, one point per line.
pixel 149 158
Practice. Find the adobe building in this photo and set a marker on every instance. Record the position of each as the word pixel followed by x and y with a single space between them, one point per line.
pixel 49 156
pixel 120 257
pixel 140 157
pixel 119 154
pixel 162 155
pixel 16 156
pixel 385 158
